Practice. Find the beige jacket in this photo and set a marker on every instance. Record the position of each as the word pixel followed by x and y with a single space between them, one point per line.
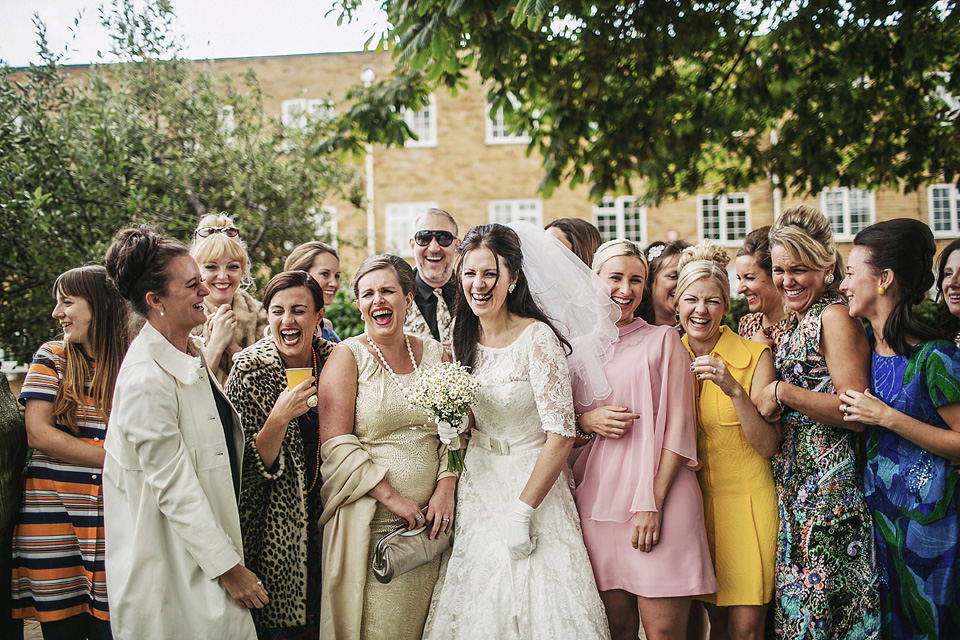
pixel 170 511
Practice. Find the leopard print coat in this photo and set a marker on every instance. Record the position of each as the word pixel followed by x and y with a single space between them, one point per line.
pixel 277 537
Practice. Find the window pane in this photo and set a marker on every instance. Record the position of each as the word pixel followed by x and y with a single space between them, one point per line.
pixel 710 208
pixel 859 210
pixel 633 220
pixel 833 210
pixel 942 218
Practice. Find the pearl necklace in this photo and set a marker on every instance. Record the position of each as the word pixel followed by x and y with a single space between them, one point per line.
pixel 386 365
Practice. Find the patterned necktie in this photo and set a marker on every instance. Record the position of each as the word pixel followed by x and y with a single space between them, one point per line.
pixel 443 316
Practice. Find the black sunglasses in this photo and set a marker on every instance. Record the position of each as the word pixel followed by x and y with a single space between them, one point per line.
pixel 230 232
pixel 425 237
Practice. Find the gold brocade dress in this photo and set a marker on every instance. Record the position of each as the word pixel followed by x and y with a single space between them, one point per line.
pixel 399 439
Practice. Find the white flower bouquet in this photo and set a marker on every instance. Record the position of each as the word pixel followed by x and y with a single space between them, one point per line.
pixel 447 390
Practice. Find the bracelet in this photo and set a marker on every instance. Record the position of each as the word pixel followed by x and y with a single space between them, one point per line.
pixel 776 395
pixel 583 435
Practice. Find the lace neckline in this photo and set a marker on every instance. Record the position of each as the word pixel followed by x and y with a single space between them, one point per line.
pixel 515 340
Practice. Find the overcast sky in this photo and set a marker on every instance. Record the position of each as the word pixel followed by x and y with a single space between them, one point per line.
pixel 210 28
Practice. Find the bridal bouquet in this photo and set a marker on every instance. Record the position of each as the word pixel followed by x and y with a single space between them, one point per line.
pixel 447 390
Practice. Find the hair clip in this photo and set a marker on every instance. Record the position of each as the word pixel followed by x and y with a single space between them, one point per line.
pixel 654 252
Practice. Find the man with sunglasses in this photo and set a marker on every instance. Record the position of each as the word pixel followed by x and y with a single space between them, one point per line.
pixel 434 245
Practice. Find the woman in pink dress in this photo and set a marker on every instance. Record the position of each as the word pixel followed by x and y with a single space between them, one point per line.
pixel 637 493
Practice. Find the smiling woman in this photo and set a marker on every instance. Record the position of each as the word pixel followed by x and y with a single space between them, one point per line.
pixel 172 468
pixel 734 443
pixel 233 318
pixel 68 393
pixel 825 526
pixel 383 464
pixel 280 495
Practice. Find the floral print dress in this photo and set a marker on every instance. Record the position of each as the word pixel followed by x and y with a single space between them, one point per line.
pixel 826 585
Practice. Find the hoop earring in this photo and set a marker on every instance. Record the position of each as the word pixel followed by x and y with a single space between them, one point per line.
pixel 512 288
pixel 828 279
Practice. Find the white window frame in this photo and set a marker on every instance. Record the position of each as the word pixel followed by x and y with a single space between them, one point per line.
pixel 297 112
pixel 844 231
pixel 399 220
pixel 426 132
pixel 618 208
pixel 952 228
pixel 725 210
pixel 496 127
pixel 510 210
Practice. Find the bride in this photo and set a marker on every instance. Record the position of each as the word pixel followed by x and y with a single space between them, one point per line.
pixel 518 567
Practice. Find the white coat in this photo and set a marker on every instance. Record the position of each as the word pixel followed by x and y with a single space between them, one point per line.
pixel 170 512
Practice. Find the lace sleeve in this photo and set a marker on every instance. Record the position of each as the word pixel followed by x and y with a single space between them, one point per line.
pixel 550 379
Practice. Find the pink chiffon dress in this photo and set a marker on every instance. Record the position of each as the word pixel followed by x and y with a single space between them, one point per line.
pixel 650 375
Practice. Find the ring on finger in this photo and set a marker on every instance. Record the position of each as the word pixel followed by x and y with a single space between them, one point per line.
pixel 312 401
pixel 444 519
pixel 843 409
pixel 714 370
pixel 419 518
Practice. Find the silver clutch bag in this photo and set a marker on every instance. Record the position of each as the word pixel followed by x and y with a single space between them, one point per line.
pixel 401 550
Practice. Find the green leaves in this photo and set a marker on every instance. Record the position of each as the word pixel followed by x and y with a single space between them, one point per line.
pixel 669 98
pixel 83 155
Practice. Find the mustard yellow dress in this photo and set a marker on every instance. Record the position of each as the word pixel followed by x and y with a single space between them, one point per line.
pixel 739 495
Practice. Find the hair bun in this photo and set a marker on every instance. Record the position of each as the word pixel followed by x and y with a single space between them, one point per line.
pixel 706 250
pixel 129 255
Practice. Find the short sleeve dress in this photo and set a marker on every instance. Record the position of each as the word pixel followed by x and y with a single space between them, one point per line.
pixel 58 547
pixel 650 375
pixel 739 497
pixel 914 497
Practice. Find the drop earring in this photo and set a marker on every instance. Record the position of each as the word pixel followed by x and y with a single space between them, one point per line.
pixel 512 288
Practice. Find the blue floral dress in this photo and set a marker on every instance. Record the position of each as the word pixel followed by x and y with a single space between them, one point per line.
pixel 826 585
pixel 914 497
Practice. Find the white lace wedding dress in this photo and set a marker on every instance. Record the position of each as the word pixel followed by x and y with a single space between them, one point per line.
pixel 551 594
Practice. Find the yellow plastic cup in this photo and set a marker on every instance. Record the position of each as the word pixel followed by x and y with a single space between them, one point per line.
pixel 296 376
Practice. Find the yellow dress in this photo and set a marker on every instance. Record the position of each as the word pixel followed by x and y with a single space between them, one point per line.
pixel 739 495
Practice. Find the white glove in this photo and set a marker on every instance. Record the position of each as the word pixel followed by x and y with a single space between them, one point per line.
pixel 447 432
pixel 517 532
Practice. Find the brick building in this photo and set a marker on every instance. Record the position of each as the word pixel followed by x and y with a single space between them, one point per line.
pixel 466 163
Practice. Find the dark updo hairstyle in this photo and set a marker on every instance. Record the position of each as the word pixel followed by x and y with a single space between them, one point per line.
pixel 946 320
pixel 400 267
pixel 584 238
pixel 137 263
pixel 645 309
pixel 757 245
pixel 289 280
pixel 504 243
pixel 906 247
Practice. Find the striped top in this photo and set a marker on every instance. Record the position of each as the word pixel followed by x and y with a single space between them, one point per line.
pixel 58 550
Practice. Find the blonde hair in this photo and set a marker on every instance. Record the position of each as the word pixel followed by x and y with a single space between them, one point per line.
pixel 616 248
pixel 807 236
pixel 217 245
pixel 704 261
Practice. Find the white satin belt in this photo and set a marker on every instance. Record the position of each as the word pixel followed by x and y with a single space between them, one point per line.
pixel 505 446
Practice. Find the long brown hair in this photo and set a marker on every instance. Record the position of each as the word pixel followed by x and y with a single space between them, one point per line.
pixel 504 244
pixel 108 339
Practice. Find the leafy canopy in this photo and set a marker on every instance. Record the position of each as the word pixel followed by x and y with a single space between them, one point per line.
pixel 674 95
pixel 154 139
